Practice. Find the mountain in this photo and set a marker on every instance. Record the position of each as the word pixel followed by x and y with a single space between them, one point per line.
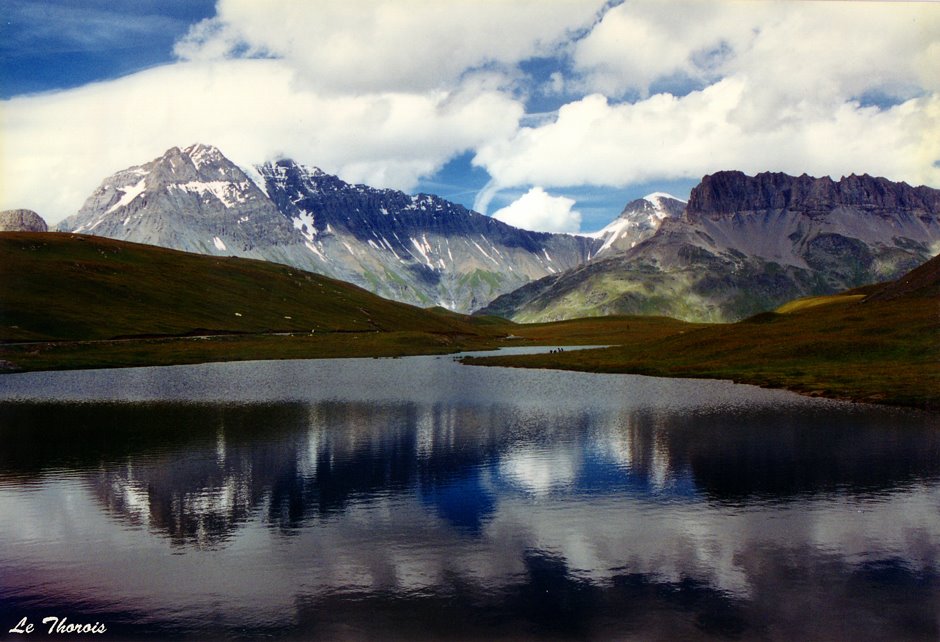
pixel 416 249
pixel 875 344
pixel 638 221
pixel 419 248
pixel 22 221
pixel 747 244
pixel 922 282
pixel 65 287
pixel 194 200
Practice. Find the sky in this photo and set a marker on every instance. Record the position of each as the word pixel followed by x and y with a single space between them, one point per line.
pixel 547 115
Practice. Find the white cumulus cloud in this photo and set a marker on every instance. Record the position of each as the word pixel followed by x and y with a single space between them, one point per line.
pixel 386 92
pixel 381 92
pixel 541 212
pixel 57 147
pixel 820 51
pixel 822 88
pixel 383 45
pixel 599 143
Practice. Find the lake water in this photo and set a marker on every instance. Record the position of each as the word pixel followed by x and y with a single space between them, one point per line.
pixel 417 498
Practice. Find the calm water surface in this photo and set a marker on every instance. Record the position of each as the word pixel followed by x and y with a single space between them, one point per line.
pixel 420 499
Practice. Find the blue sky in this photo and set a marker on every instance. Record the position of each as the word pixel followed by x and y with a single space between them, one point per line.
pixel 60 44
pixel 582 105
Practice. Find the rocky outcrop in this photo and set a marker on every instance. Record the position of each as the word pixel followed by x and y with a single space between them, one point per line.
pixel 731 192
pixel 748 244
pixel 22 221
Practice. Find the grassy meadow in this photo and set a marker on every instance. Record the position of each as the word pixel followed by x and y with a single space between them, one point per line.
pixel 852 347
pixel 71 301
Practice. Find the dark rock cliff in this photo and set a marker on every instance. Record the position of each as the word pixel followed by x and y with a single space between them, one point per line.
pixel 730 192
pixel 747 244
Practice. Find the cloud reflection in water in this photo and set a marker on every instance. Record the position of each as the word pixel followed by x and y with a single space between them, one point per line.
pixel 434 520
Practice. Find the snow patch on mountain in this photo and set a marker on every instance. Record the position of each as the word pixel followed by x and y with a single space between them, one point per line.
pixel 303 222
pixel 202 155
pixel 483 252
pixel 129 194
pixel 638 221
pixel 255 176
pixel 313 248
pixel 657 198
pixel 230 194
pixel 424 248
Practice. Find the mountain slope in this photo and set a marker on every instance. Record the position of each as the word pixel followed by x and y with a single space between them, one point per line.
pixel 421 248
pixel 748 244
pixel 638 221
pixel 920 283
pixel 417 249
pixel 76 287
pixel 880 347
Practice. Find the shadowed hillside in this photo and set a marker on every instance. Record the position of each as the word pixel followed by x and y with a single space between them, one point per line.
pixel 67 286
pixel 74 301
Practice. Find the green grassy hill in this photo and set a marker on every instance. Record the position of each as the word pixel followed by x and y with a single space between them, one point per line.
pixel 73 301
pixel 876 344
pixel 70 301
pixel 66 286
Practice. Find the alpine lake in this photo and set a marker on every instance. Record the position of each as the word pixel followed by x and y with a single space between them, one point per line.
pixel 421 499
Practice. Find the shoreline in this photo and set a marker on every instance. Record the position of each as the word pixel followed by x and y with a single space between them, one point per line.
pixel 52 356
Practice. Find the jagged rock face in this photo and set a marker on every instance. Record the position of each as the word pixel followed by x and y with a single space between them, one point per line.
pixel 729 193
pixel 193 199
pixel 420 248
pixel 22 221
pixel 638 221
pixel 857 230
pixel 417 249
pixel 749 244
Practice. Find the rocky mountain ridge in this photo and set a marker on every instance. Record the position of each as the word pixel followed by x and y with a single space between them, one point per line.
pixel 417 249
pixel 409 247
pixel 747 244
pixel 732 192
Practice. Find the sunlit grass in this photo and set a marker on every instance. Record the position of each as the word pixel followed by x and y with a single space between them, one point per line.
pixel 813 301
pixel 884 352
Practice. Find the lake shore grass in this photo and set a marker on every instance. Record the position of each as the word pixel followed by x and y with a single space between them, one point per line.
pixel 884 352
pixel 70 301
pixel 177 350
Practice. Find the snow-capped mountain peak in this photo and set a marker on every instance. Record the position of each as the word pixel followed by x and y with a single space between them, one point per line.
pixel 664 204
pixel 638 221
pixel 201 155
pixel 659 196
pixel 421 249
pixel 193 199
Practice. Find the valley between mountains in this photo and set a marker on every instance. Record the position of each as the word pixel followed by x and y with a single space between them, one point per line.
pixel 796 282
pixel 741 245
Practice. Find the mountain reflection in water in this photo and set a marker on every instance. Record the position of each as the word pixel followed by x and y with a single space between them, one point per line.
pixel 412 520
